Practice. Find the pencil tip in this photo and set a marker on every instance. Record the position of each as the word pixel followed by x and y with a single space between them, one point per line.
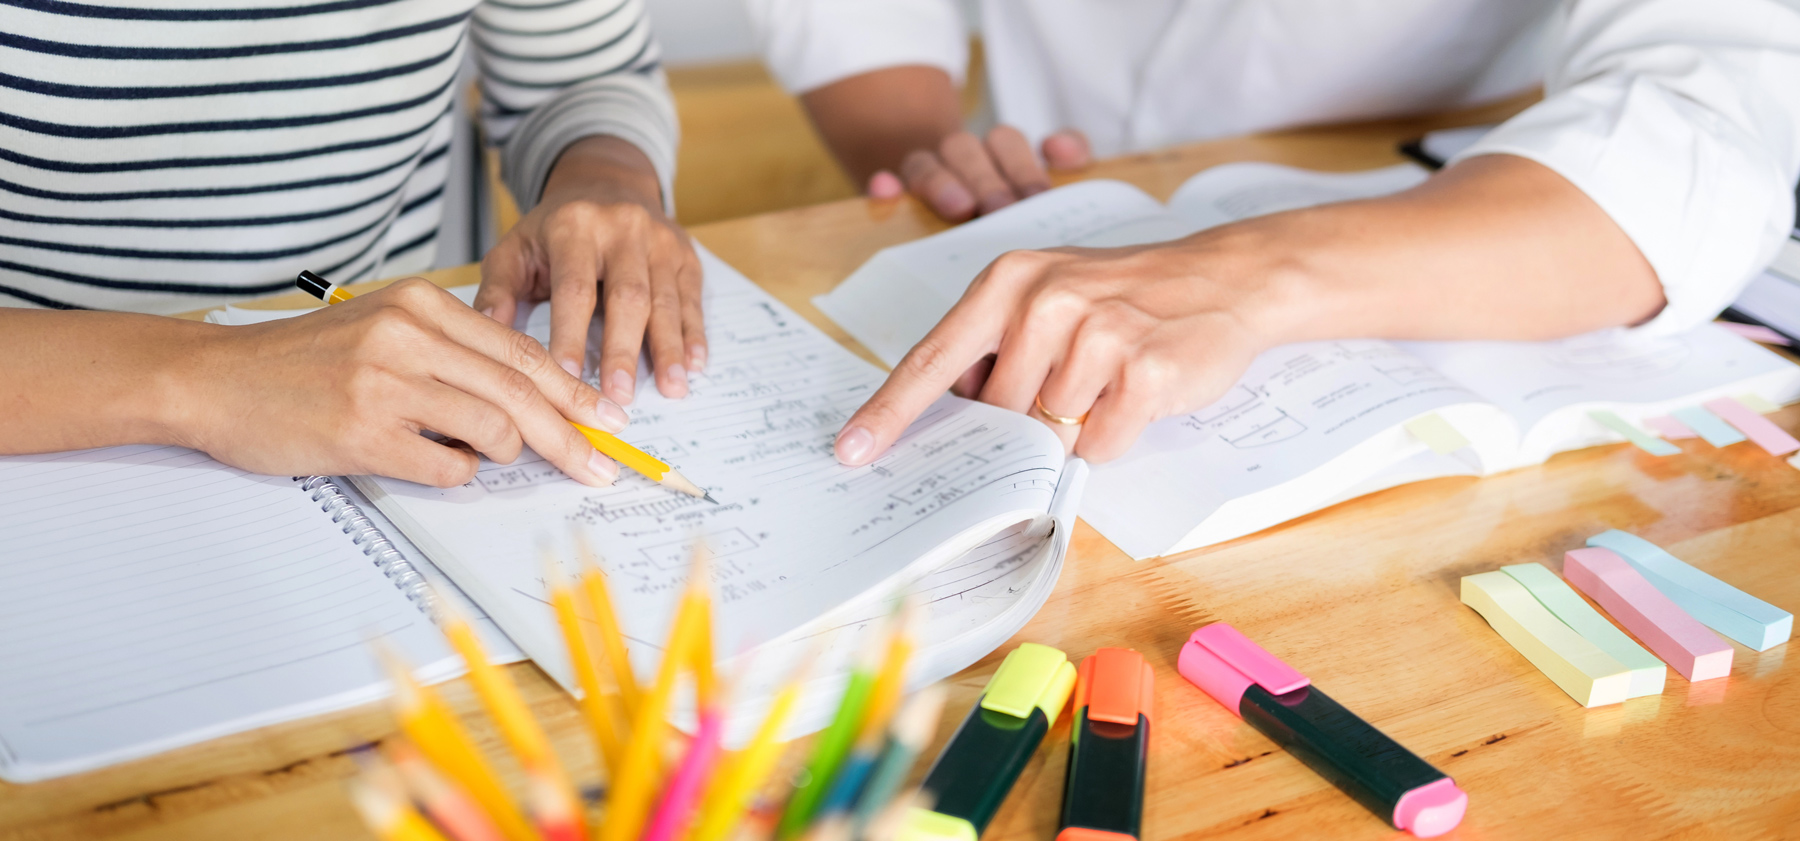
pixel 709 498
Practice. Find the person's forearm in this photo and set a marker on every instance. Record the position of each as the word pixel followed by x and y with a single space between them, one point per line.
pixel 74 380
pixel 872 120
pixel 1497 247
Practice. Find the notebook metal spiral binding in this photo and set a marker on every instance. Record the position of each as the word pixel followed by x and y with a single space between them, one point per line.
pixel 332 500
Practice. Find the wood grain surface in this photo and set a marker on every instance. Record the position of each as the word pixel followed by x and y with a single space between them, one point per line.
pixel 1361 597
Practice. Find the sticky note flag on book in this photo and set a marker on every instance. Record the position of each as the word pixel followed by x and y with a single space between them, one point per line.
pixel 1695 652
pixel 1718 605
pixel 1756 403
pixel 1644 440
pixel 1590 676
pixel 1647 672
pixel 1710 426
pixel 1669 428
pixel 1437 433
pixel 1760 429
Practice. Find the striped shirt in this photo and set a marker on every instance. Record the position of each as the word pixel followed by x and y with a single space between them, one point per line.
pixel 166 155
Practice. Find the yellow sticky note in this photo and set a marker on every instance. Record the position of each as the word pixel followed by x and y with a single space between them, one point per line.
pixel 1757 403
pixel 1590 676
pixel 1437 433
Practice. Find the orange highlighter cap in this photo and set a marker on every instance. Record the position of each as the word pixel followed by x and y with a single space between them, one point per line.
pixel 1115 685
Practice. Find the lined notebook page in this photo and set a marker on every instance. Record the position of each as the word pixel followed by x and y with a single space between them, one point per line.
pixel 150 596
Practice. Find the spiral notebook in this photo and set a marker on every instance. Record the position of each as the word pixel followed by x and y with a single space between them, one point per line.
pixel 151 597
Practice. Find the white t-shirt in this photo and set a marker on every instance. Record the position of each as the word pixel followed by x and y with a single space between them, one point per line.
pixel 1681 118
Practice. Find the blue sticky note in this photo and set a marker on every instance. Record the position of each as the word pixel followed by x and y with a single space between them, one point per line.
pixel 1709 426
pixel 1718 605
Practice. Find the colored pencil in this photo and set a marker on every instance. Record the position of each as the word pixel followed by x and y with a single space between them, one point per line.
pixel 676 811
pixel 433 728
pixel 628 798
pixel 447 804
pixel 391 818
pixel 833 744
pixel 596 706
pixel 744 771
pixel 911 731
pixel 606 621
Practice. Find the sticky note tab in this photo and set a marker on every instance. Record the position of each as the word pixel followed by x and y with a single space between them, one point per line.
pixel 1437 433
pixel 1647 672
pixel 1644 440
pixel 1756 333
pixel 1760 429
pixel 1716 431
pixel 1695 652
pixel 1756 403
pixel 1718 605
pixel 1590 676
pixel 1669 428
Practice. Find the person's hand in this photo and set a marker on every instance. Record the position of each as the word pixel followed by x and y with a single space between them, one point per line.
pixel 966 176
pixel 600 228
pixel 1113 338
pixel 347 390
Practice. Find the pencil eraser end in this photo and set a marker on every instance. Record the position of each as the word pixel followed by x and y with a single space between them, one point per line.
pixel 1431 809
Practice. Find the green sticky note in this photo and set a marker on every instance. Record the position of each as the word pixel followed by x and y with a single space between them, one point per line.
pixel 1647 672
pixel 1756 403
pixel 1644 440
pixel 1437 433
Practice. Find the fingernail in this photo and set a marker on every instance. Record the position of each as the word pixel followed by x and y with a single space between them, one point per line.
pixel 621 386
pixel 603 467
pixel 611 418
pixel 853 445
pixel 676 378
pixel 697 358
pixel 488 311
pixel 955 200
pixel 573 367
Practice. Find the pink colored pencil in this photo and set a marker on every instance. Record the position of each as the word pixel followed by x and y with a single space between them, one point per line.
pixel 677 808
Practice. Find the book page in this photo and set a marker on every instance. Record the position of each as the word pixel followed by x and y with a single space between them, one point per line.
pixel 794 533
pixel 152 597
pixel 1548 387
pixel 890 302
pixel 1231 192
pixel 1328 412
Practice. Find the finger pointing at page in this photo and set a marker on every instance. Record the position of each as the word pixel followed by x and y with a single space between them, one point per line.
pixel 967 334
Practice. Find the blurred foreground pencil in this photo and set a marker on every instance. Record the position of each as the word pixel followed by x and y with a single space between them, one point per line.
pixel 606 621
pixel 445 803
pixel 390 817
pixel 596 706
pixel 744 772
pixel 431 726
pixel 911 731
pixel 614 447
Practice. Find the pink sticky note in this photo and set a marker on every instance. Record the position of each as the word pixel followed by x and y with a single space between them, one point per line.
pixel 1754 426
pixel 1757 333
pixel 1679 639
pixel 1669 428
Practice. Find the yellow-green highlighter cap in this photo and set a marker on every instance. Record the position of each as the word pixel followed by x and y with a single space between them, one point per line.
pixel 926 825
pixel 1032 675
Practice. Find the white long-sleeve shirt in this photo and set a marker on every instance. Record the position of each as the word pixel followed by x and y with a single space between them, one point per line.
pixel 160 157
pixel 1680 118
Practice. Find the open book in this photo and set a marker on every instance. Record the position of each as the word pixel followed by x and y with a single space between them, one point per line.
pixel 807 552
pixel 1308 425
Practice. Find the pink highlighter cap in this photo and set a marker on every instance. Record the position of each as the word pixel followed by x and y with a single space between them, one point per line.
pixel 1431 809
pixel 1223 663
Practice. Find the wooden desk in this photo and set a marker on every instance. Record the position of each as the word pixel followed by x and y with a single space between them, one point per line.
pixel 1362 597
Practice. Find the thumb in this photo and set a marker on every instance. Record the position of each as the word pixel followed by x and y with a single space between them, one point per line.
pixel 1067 149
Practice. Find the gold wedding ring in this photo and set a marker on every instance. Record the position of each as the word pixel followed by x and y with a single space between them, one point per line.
pixel 1056 418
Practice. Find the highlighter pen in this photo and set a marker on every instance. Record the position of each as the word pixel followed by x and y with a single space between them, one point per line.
pixel 614 447
pixel 972 777
pixel 1109 752
pixel 1376 771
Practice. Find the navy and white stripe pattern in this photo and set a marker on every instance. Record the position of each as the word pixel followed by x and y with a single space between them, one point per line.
pixel 165 155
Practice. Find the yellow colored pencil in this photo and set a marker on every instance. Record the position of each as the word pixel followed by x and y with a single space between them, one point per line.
pixel 446 803
pixel 606 620
pixel 729 795
pixel 433 728
pixel 596 707
pixel 890 682
pixel 391 818
pixel 613 446
pixel 629 796
pixel 500 697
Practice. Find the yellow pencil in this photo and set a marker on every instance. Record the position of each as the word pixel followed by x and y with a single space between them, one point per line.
pixel 629 796
pixel 503 703
pixel 615 448
pixel 596 706
pixel 890 682
pixel 612 640
pixel 729 795
pixel 433 728
pixel 391 818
